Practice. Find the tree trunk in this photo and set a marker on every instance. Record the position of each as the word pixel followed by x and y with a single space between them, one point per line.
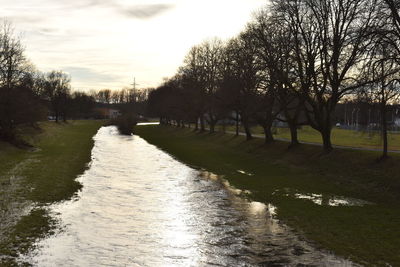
pixel 294 141
pixel 202 125
pixel 196 126
pixel 212 127
pixel 247 130
pixel 56 116
pixel 326 138
pixel 237 123
pixel 384 131
pixel 269 138
pixel 324 126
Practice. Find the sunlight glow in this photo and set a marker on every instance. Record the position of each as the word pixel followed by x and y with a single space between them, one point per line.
pixel 104 43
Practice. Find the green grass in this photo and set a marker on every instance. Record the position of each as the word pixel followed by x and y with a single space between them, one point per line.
pixel 340 137
pixel 39 177
pixel 368 234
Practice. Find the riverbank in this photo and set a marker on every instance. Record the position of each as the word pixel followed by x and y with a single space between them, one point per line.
pixel 32 179
pixel 344 201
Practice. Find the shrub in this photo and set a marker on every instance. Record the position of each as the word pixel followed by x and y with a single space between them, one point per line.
pixel 125 123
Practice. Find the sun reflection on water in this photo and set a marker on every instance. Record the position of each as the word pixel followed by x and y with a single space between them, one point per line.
pixel 141 207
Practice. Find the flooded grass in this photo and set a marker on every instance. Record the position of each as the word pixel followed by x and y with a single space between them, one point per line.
pixel 245 173
pixel 35 178
pixel 323 199
pixel 368 234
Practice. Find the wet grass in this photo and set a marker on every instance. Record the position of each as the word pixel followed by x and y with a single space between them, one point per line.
pixel 369 235
pixel 341 137
pixel 38 177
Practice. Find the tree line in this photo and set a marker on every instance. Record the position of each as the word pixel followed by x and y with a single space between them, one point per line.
pixel 295 61
pixel 28 95
pixel 24 90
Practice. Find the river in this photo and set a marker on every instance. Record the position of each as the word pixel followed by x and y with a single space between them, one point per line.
pixel 141 207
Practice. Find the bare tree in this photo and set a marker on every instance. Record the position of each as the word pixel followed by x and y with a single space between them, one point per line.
pixel 115 97
pixel 330 40
pixel 274 38
pixel 389 27
pixel 19 102
pixel 193 73
pixel 58 91
pixel 243 78
pixel 81 105
pixel 13 62
pixel 104 96
pixel 210 56
pixel 384 69
pixel 230 86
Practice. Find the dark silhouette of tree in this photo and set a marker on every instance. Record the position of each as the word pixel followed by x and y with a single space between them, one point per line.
pixel 242 77
pixel 330 40
pixel 230 87
pixel 104 96
pixel 165 102
pixel 19 101
pixel 115 97
pixel 57 90
pixel 384 69
pixel 273 39
pixel 211 60
pixel 296 61
pixel 194 79
pixel 388 28
pixel 81 105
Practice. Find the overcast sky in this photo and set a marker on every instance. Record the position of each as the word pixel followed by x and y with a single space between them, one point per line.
pixel 105 43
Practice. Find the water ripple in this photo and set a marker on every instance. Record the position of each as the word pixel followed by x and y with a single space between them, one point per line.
pixel 141 207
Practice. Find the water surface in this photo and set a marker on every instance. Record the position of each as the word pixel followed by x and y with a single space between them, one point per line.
pixel 141 207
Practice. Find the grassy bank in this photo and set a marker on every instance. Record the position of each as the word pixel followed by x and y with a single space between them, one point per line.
pixel 340 137
pixel 367 234
pixel 32 179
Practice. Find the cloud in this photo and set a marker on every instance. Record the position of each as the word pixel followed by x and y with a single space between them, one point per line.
pixel 144 11
pixel 92 3
pixel 26 19
pixel 103 43
pixel 34 14
pixel 88 75
pixel 47 31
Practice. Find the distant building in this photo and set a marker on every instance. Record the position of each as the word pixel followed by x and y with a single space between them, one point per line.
pixel 113 113
pixel 108 113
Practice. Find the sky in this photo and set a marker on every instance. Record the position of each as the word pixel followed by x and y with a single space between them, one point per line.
pixel 106 43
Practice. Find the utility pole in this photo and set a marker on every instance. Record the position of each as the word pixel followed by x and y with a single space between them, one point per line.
pixel 134 88
pixel 134 84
